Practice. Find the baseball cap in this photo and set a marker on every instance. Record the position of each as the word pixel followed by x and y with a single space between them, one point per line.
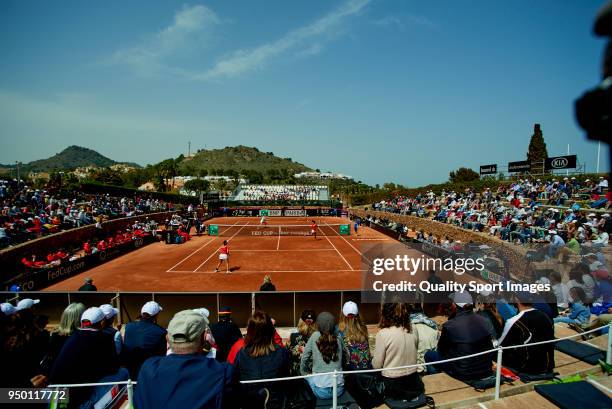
pixel 186 326
pixel 462 299
pixel 26 303
pixel 225 310
pixel 308 315
pixel 109 311
pixel 151 307
pixel 350 309
pixel 8 308
pixel 93 315
pixel 202 311
pixel 543 280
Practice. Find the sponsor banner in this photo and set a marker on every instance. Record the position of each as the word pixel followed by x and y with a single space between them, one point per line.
pixel 345 230
pixel 275 212
pixel 519 166
pixel 213 230
pixel 488 169
pixel 561 162
pixel 295 213
pixel 264 212
pixel 40 279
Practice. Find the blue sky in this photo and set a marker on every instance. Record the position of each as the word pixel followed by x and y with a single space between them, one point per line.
pixel 384 90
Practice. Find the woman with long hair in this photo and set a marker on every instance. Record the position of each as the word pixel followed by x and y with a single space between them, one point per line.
pixel 261 358
pixel 324 351
pixel 397 345
pixel 298 340
pixel 354 334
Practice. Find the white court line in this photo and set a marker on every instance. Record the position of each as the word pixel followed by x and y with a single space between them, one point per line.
pixel 325 249
pixel 180 262
pixel 349 243
pixel 340 254
pixel 266 271
pixel 215 252
pixel 278 242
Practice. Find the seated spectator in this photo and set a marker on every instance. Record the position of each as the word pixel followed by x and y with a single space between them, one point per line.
pixel 298 340
pixel 70 321
pixel 261 359
pixel 88 285
pixel 354 335
pixel 143 338
pixel 397 345
pixel 603 288
pixel 578 314
pixel 110 313
pixel 226 333
pixel 561 291
pixel 323 353
pixel 487 308
pixel 426 331
pixel 185 378
pixel 464 333
pixel 88 355
pixel 25 345
pixel 529 325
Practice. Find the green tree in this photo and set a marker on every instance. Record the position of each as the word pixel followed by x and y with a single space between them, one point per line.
pixel 463 175
pixel 197 185
pixel 537 152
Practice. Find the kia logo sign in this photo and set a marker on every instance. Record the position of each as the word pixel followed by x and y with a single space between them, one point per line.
pixel 559 163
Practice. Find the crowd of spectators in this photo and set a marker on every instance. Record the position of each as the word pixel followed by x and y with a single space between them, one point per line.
pixel 28 213
pixel 197 364
pixel 279 192
pixel 515 212
pixel 101 242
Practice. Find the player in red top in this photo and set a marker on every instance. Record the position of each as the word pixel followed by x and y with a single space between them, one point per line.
pixel 224 256
pixel 313 229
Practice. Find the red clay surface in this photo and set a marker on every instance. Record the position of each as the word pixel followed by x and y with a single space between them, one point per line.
pixel 295 263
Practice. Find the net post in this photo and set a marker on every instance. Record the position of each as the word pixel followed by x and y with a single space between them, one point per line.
pixel 498 369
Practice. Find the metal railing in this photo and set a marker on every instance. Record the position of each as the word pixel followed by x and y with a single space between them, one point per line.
pixel 336 373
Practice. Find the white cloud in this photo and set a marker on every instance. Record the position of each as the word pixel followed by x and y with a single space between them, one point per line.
pixel 404 20
pixel 192 25
pixel 190 30
pixel 242 61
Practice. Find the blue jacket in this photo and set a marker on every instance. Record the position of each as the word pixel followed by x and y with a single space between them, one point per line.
pixel 142 339
pixel 184 381
pixel 579 312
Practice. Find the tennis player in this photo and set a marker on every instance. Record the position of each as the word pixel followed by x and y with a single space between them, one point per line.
pixel 356 226
pixel 223 256
pixel 313 229
pixel 263 221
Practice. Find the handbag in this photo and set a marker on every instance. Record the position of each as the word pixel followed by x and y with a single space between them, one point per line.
pixel 368 389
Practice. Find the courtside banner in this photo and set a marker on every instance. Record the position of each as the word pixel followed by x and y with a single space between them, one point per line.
pixel 519 166
pixel 295 212
pixel 488 169
pixel 561 162
pixel 419 271
pixel 40 279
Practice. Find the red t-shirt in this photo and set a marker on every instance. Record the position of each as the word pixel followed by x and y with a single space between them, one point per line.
pixel 224 250
pixel 314 226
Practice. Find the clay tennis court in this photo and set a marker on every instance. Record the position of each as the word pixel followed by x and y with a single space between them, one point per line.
pixel 295 262
pixel 329 262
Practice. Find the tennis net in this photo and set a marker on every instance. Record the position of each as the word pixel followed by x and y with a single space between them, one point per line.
pixel 254 230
